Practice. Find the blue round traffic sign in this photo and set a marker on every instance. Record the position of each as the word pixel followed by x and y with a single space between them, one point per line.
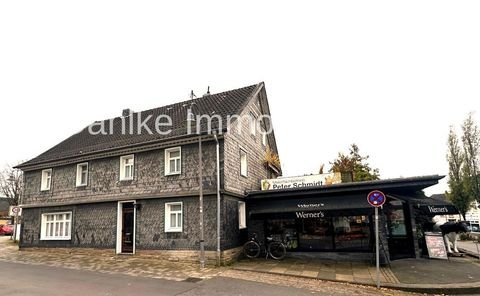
pixel 376 198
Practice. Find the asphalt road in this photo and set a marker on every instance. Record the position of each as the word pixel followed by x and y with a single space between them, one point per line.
pixel 25 279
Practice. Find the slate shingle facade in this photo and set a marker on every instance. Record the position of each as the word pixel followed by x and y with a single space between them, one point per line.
pixel 94 207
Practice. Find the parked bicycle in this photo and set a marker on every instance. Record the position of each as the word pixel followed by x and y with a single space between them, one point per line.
pixel 275 249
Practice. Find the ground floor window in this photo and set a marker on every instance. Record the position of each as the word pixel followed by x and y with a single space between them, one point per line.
pixel 56 226
pixel 173 217
pixel 342 233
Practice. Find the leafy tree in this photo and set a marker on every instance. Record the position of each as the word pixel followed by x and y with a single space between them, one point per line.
pixel 356 163
pixel 463 165
pixel 457 195
pixel 11 184
pixel 471 152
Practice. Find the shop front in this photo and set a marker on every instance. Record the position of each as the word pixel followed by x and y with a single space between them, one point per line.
pixel 338 218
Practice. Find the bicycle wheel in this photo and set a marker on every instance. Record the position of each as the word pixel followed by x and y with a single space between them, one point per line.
pixel 277 250
pixel 251 249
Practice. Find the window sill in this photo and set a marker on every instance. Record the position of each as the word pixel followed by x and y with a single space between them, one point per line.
pixel 173 230
pixel 44 190
pixel 173 174
pixel 55 239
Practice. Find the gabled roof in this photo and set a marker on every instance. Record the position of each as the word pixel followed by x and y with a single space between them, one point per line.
pixel 84 143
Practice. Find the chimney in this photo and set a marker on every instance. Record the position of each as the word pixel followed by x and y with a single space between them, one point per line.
pixel 208 92
pixel 126 112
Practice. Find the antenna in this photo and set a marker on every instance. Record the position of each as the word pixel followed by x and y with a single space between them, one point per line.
pixel 208 90
pixel 192 95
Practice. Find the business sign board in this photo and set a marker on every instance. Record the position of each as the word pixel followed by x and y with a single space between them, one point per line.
pixel 301 181
pixel 436 245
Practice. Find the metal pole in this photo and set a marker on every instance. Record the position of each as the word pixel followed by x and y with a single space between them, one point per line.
pixel 377 247
pixel 200 177
pixel 218 201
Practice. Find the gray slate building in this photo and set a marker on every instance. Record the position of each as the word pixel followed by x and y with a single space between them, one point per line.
pixel 136 192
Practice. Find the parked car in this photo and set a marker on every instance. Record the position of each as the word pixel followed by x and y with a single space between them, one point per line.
pixel 6 229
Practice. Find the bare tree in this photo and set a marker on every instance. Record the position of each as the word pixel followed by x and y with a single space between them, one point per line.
pixel 11 184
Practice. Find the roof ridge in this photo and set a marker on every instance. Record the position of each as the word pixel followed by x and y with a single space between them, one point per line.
pixel 182 102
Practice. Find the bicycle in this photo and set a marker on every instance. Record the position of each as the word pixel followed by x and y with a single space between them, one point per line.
pixel 275 249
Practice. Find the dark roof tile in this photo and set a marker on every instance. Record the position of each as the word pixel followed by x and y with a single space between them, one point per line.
pixel 224 104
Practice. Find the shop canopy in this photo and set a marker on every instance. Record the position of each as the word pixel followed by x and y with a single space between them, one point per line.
pixel 345 198
pixel 431 206
pixel 325 205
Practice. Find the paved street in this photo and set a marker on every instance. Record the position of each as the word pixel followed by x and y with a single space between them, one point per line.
pixel 23 279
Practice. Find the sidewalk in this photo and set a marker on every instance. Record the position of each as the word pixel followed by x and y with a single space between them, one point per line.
pixel 124 264
pixel 457 275
pixel 469 247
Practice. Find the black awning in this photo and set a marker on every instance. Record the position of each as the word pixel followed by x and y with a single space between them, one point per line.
pixel 327 205
pixel 431 206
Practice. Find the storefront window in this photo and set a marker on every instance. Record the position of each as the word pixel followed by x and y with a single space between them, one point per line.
pixel 315 234
pixel 352 233
pixel 342 233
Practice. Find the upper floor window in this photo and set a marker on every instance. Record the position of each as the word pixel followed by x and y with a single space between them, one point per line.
pixel 56 226
pixel 126 167
pixel 173 217
pixel 242 222
pixel 253 124
pixel 46 179
pixel 243 163
pixel 82 174
pixel 173 161
pixel 264 138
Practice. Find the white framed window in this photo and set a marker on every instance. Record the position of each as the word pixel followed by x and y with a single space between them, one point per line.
pixel 243 163
pixel 126 167
pixel 242 218
pixel 56 226
pixel 173 161
pixel 82 174
pixel 46 180
pixel 264 138
pixel 253 124
pixel 173 217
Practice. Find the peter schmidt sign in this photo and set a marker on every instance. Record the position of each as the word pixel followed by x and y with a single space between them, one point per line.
pixel 301 181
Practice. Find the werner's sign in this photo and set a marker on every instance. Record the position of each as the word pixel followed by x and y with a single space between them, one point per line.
pixel 306 215
pixel 437 210
pixel 302 181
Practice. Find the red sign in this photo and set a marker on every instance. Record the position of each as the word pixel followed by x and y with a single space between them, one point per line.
pixel 376 198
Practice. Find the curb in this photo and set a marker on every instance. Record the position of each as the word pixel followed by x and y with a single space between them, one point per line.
pixel 460 288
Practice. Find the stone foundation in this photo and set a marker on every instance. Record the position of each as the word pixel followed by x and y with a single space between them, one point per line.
pixel 182 256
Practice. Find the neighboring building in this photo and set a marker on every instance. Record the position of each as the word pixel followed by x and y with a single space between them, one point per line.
pixel 139 193
pixel 4 206
pixel 473 215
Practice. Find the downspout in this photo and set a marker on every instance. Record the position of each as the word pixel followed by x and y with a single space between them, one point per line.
pixel 218 199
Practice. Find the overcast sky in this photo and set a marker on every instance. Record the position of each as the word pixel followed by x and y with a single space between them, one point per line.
pixel 388 76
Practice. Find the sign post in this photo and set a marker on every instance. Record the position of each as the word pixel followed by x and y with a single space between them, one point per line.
pixel 376 199
pixel 15 211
